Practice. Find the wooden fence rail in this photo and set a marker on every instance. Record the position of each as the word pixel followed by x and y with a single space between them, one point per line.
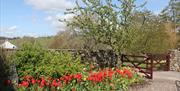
pixel 147 63
pixel 140 62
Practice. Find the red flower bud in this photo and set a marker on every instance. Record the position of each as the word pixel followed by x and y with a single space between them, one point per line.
pixel 33 81
pixel 25 84
pixel 20 85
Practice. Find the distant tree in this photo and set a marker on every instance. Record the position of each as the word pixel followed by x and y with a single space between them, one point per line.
pixel 172 13
pixel 171 16
pixel 150 35
pixel 20 41
pixel 66 40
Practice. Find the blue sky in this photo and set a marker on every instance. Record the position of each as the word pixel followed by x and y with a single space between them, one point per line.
pixel 39 17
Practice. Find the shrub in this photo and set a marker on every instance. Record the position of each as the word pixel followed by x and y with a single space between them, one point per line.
pixel 56 64
pixel 33 60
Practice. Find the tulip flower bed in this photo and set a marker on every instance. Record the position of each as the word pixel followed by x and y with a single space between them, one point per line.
pixel 100 80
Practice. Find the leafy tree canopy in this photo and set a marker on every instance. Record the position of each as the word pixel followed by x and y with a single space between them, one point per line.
pixel 120 26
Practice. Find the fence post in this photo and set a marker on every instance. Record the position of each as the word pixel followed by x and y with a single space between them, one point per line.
pixel 151 69
pixel 122 59
pixel 168 62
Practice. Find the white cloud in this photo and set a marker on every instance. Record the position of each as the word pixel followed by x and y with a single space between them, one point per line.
pixel 54 9
pixel 12 28
pixel 11 31
pixel 51 5
pixel 31 35
pixel 14 31
pixel 49 18
pixel 61 26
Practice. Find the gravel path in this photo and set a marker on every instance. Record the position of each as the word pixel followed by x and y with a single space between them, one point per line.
pixel 162 81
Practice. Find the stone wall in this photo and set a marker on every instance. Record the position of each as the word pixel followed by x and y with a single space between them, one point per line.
pixel 100 58
pixel 175 60
pixel 7 72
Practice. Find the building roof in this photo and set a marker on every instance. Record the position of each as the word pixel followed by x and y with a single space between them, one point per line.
pixel 7 45
pixel 2 41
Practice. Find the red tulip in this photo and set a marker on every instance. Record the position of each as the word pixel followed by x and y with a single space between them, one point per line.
pixel 128 73
pixel 120 72
pixel 105 73
pixel 25 84
pixel 54 83
pixel 61 78
pixel 96 77
pixel 33 81
pixel 20 85
pixel 38 81
pixel 7 82
pixel 110 73
pixel 78 77
pixel 47 83
pixel 42 85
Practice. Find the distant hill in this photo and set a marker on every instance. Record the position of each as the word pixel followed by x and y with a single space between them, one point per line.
pixel 4 38
pixel 7 38
pixel 44 41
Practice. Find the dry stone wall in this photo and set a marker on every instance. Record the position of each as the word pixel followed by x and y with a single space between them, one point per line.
pixel 175 60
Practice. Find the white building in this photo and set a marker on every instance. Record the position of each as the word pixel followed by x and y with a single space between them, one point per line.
pixel 7 45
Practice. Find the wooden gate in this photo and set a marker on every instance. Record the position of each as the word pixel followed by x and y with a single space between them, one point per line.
pixel 147 63
pixel 160 61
